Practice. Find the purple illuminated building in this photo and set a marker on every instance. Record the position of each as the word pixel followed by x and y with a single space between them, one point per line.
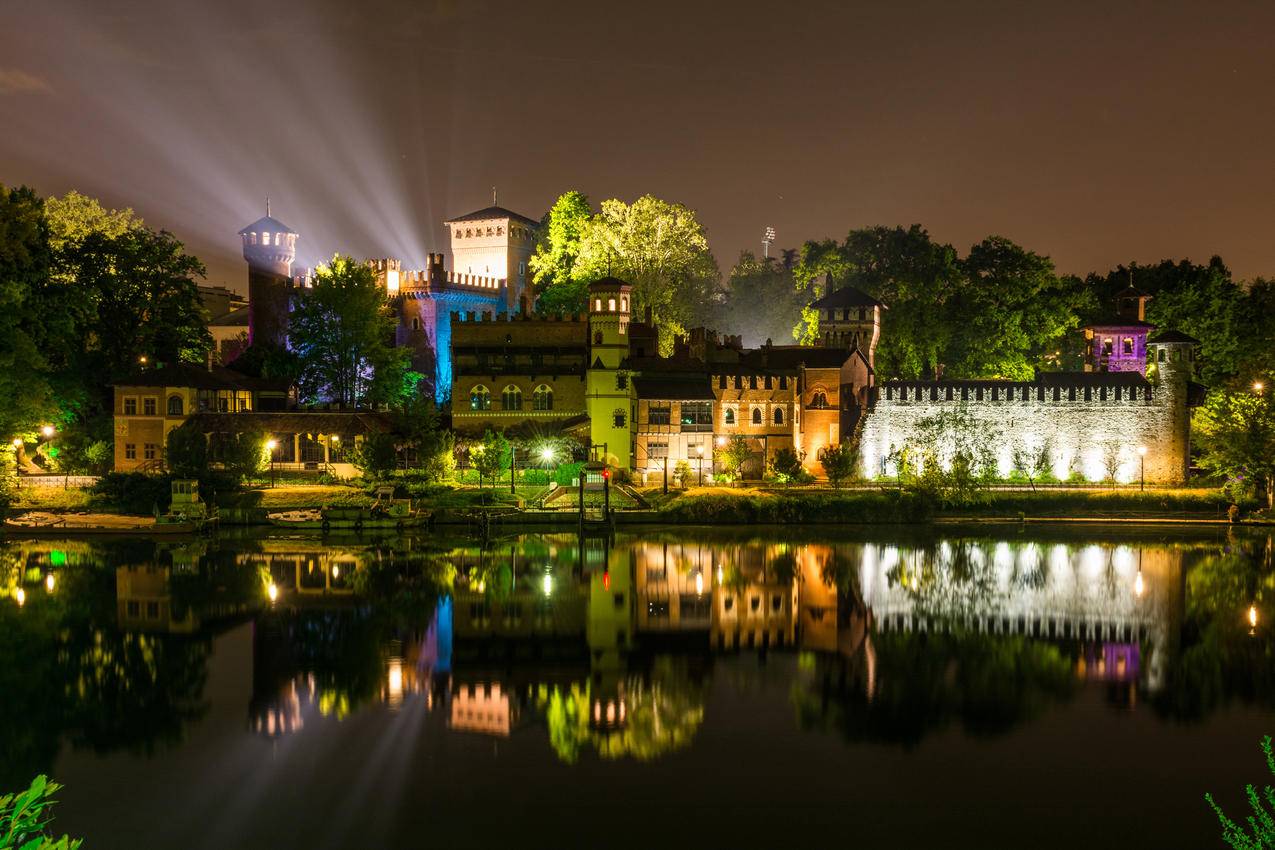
pixel 1119 343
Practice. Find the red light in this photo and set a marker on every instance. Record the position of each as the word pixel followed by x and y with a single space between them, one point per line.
pixel 606 580
pixel 606 474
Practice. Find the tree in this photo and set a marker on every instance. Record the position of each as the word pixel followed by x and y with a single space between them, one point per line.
pixel 838 463
pixel 26 397
pixel 1009 313
pixel 734 456
pixel 375 455
pixel 786 466
pixel 186 453
pixel 491 456
pixel 342 330
pixel 244 454
pixel 420 424
pixel 762 300
pixel 1236 434
pixel 560 289
pixel 25 818
pixel 1033 463
pixel 661 250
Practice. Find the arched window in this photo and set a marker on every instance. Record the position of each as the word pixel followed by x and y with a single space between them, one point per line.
pixel 511 398
pixel 597 305
pixel 611 305
pixel 819 400
pixel 756 415
pixel 416 323
pixel 779 416
pixel 729 416
pixel 542 398
pixel 597 338
pixel 480 398
pixel 175 405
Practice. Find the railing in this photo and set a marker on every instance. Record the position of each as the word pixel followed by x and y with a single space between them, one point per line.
pixel 57 480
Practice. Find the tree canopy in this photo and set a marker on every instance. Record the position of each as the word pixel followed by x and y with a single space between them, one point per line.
pixel 762 300
pixel 342 330
pixel 560 288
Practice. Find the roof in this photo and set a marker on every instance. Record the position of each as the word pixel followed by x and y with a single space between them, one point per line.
pixel 674 387
pixel 199 377
pixel 1173 336
pixel 267 223
pixel 789 357
pixel 235 318
pixel 609 283
pixel 493 212
pixel 847 296
pixel 295 421
pixel 1110 321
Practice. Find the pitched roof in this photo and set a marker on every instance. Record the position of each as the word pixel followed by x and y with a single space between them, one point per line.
pixel 1173 336
pixel 267 223
pixel 674 387
pixel 847 296
pixel 790 357
pixel 235 318
pixel 493 213
pixel 199 377
pixel 1117 321
pixel 608 282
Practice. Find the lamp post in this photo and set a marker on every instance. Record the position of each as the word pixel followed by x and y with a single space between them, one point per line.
pixel 1142 468
pixel 513 465
pixel 699 450
pixel 1258 386
pixel 270 447
pixel 665 465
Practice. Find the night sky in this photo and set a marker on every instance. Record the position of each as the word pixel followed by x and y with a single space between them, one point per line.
pixel 1094 134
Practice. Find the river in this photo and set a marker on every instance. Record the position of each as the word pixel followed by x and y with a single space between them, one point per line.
pixel 988 686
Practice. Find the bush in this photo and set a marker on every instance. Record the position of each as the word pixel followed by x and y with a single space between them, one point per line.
pixel 133 492
pixel 375 455
pixel 838 463
pixel 245 455
pixel 826 507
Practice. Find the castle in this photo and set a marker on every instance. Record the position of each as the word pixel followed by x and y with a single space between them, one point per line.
pixel 598 377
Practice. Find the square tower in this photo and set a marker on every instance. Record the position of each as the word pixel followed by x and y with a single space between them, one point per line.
pixel 494 242
pixel 607 385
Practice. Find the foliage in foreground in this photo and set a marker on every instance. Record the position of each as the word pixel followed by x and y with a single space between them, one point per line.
pixel 1261 824
pixel 25 817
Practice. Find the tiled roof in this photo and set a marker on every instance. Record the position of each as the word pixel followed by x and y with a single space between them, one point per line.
pixel 1173 336
pixel 199 377
pixel 674 387
pixel 846 296
pixel 489 213
pixel 267 223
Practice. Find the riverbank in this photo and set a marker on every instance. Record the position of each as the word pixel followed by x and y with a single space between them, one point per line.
pixel 708 505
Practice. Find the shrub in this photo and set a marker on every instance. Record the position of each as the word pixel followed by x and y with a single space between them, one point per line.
pixel 838 463
pixel 682 473
pixel 826 507
pixel 375 455
pixel 1261 824
pixel 244 455
pixel 134 492
pixel 733 457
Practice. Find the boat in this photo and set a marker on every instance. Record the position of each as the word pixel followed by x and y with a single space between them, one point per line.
pixel 385 513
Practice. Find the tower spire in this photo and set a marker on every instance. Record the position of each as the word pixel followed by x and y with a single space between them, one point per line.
pixel 493 196
pixel 267 206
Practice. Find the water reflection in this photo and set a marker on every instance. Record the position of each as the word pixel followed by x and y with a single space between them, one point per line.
pixel 609 650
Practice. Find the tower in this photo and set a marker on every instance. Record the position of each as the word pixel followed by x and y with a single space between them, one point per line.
pixel 269 247
pixel 1119 343
pixel 494 242
pixel 1172 368
pixel 607 387
pixel 849 318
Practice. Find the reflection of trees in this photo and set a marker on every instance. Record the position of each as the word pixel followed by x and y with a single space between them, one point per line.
pixel 924 682
pixel 1219 661
pixel 663 711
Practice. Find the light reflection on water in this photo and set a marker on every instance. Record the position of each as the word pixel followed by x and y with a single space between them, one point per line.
pixel 609 651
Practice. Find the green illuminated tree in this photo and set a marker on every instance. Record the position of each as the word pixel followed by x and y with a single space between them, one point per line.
pixel 343 330
pixel 1261 824
pixel 1236 434
pixel 26 397
pixel 661 249
pixel 186 453
pixel 838 463
pixel 491 456
pixel 244 454
pixel 560 288
pixel 734 455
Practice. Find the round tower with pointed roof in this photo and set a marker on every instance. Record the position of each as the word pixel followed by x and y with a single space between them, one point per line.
pixel 269 247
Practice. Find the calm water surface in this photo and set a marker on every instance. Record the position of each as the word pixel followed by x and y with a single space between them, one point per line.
pixel 955 687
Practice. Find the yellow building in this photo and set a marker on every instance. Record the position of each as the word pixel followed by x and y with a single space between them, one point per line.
pixel 608 390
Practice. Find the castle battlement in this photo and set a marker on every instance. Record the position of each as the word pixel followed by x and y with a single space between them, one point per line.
pixel 1051 388
pixel 475 317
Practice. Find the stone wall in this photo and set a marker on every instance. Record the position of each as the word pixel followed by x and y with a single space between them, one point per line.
pixel 1080 432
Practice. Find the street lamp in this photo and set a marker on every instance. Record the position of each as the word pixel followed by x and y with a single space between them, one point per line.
pixel 699 450
pixel 1258 386
pixel 1142 464
pixel 1252 619
pixel 270 447
pixel 47 431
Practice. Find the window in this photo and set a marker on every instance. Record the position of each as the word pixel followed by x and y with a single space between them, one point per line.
pixel 657 449
pixel 459 234
pixel 130 407
pixel 1106 347
pixel 621 381
pixel 511 398
pixel 660 414
pixel 779 416
pixel 1127 345
pixel 500 231
pixel 697 416
pixel 756 415
pixel 148 407
pixel 618 418
pixel 819 400
pixel 624 305
pixel 416 323
pixel 542 398
pixel 522 268
pixel 1160 358
pixel 610 305
pixel 480 398
pixel 130 451
pixel 148 451
pixel 175 405
pixel 728 417
pixel 597 338
pixel 597 305
pixel 863 314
